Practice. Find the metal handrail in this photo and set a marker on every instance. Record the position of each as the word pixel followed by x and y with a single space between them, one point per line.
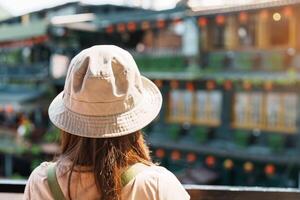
pixel 197 192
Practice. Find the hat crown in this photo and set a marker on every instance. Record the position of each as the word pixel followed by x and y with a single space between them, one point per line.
pixel 102 80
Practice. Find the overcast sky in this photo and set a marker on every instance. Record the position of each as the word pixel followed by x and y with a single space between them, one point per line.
pixel 18 7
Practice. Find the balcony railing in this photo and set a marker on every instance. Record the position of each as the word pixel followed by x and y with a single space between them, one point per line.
pixel 37 71
pixel 13 189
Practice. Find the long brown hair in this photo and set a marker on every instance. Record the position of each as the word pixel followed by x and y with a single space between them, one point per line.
pixel 105 157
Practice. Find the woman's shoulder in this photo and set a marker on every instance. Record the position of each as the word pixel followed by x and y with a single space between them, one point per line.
pixel 155 172
pixel 36 187
pixel 162 182
pixel 41 170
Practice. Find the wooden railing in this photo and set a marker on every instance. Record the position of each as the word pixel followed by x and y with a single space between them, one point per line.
pixel 13 189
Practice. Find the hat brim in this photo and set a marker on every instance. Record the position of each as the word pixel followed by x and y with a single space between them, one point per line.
pixel 108 126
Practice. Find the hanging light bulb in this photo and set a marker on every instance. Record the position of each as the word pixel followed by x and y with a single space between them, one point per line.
pixel 276 16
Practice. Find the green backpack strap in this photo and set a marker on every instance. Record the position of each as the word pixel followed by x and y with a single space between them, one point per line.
pixel 131 172
pixel 55 189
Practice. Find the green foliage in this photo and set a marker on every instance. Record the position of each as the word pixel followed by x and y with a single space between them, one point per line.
pixel 35 163
pixel 276 142
pixel 174 131
pixel 216 61
pixel 200 134
pixel 244 61
pixel 12 57
pixel 161 63
pixel 274 61
pixel 21 149
pixel 35 150
pixel 17 176
pixel 241 138
pixel 52 135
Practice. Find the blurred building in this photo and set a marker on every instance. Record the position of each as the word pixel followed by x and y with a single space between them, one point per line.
pixel 4 14
pixel 229 77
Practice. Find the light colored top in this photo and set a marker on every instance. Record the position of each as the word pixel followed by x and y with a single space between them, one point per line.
pixel 153 183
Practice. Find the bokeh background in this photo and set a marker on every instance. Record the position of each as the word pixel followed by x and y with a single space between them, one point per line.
pixel 229 72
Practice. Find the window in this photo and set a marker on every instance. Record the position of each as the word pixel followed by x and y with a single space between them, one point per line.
pixel 272 111
pixel 247 109
pixel 181 106
pixel 208 107
pixel 199 107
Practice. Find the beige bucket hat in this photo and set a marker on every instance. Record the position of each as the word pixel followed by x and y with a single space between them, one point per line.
pixel 105 95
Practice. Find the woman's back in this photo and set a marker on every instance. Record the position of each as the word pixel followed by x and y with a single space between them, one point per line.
pixel 152 183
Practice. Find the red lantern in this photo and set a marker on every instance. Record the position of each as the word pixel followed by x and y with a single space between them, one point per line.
pixel 202 22
pixel 288 11
pixel 174 84
pixel 160 153
pixel 220 19
pixel 190 86
pixel 210 161
pixel 228 85
pixel 131 26
pixel 243 17
pixel 210 85
pixel 191 157
pixel 110 29
pixel 264 14
pixel 161 23
pixel 270 169
pixel 175 155
pixel 121 27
